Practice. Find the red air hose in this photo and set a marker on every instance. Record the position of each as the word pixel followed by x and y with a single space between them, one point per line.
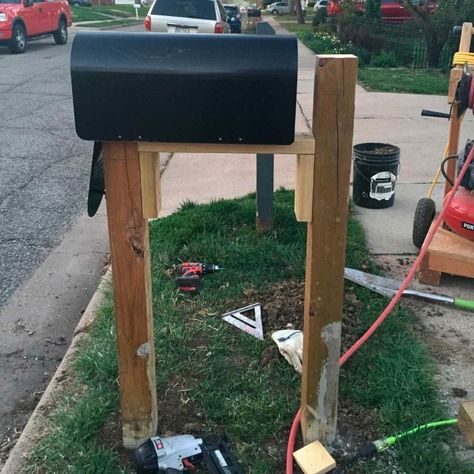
pixel 343 359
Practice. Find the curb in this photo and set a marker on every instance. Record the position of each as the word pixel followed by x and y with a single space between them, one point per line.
pixel 37 423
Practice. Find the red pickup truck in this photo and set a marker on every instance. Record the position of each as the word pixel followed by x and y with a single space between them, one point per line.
pixel 21 20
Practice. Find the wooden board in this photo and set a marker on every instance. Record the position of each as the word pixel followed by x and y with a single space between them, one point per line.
pixel 129 247
pixel 448 253
pixel 466 421
pixel 333 124
pixel 304 188
pixel 314 459
pixel 151 183
pixel 303 145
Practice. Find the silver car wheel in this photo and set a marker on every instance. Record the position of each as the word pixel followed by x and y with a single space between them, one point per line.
pixel 20 38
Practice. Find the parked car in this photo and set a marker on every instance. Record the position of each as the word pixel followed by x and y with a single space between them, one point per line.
pixel 278 8
pixel 187 16
pixel 320 4
pixel 334 7
pixel 253 11
pixel 233 17
pixel 392 10
pixel 23 20
pixel 80 3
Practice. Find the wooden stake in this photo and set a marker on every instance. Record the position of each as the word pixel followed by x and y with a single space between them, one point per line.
pixel 466 421
pixel 314 459
pixel 333 123
pixel 129 246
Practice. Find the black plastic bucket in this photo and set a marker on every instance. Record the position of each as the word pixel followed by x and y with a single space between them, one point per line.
pixel 375 172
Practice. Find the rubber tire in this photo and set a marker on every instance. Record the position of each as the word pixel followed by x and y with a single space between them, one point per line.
pixel 60 35
pixel 275 12
pixel 424 215
pixel 15 45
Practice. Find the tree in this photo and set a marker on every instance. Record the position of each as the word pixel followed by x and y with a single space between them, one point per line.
pixel 294 8
pixel 373 9
pixel 299 12
pixel 436 27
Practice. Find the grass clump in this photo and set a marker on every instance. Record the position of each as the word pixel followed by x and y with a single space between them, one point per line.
pixel 419 81
pixel 209 372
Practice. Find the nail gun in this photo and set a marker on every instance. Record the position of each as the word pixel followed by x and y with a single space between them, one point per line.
pixel 177 454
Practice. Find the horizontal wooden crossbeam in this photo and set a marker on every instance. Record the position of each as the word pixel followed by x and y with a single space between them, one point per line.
pixel 303 145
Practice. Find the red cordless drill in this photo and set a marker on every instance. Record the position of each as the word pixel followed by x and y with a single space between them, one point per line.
pixel 191 273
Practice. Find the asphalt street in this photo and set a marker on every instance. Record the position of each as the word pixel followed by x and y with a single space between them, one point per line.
pixel 43 164
pixel 51 254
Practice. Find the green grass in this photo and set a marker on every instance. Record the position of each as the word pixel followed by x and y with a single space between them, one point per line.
pixel 295 27
pixel 218 367
pixel 100 13
pixel 415 81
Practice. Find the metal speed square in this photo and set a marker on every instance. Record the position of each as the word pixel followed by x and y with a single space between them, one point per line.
pixel 242 319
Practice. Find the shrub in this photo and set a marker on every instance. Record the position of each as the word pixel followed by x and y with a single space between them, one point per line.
pixel 320 16
pixel 361 31
pixel 325 43
pixel 363 54
pixel 329 28
pixel 385 59
pixel 373 9
pixel 328 43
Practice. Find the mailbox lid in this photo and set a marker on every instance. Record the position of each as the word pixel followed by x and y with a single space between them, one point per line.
pixel 184 88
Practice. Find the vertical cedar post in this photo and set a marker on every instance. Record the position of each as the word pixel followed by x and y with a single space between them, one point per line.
pixel 129 246
pixel 333 123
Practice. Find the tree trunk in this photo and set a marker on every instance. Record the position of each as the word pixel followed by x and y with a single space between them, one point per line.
pixel 434 53
pixel 299 12
pixel 436 35
pixel 291 7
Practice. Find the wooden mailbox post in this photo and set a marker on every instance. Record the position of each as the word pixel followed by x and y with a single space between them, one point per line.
pixel 323 169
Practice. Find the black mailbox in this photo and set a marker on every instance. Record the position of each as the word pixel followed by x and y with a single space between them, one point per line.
pixel 184 88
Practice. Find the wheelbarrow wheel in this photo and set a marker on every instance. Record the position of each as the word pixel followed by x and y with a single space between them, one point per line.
pixel 424 215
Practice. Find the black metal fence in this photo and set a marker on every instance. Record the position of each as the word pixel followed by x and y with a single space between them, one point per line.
pixel 408 43
pixel 406 40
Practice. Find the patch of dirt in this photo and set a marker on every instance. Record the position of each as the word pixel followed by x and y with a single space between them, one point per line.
pixel 448 334
pixel 283 305
pixel 177 414
pixel 111 437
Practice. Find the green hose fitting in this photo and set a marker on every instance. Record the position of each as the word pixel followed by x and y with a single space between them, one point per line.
pixel 385 443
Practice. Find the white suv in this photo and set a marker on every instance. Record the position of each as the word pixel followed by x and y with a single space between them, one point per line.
pixel 187 16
